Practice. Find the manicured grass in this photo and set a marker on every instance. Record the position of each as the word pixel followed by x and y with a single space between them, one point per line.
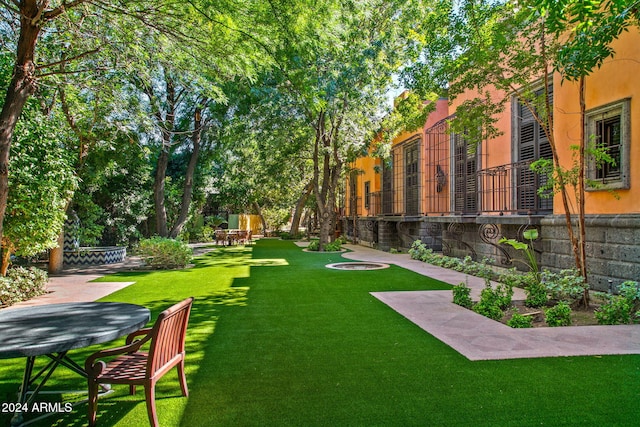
pixel 276 339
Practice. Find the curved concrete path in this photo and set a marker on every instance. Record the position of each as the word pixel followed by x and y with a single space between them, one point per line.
pixel 479 338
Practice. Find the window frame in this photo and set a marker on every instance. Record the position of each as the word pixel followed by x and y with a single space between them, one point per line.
pixel 620 108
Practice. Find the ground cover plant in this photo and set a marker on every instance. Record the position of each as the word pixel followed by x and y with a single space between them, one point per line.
pixel 276 339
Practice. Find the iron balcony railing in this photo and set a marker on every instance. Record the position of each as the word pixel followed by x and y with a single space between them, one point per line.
pixel 511 189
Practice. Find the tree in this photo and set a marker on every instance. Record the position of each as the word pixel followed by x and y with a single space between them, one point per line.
pixel 335 60
pixel 76 30
pixel 41 183
pixel 499 48
pixel 32 19
pixel 584 31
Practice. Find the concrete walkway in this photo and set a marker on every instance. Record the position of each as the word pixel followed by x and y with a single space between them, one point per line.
pixel 479 338
pixel 74 284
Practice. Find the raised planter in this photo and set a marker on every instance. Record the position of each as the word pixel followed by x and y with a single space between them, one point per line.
pixel 95 256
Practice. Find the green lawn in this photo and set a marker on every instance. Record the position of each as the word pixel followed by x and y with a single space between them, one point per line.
pixel 276 339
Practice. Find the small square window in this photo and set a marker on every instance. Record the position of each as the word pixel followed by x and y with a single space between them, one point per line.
pixel 608 127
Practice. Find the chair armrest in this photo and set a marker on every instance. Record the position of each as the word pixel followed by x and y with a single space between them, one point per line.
pixel 139 332
pixel 93 367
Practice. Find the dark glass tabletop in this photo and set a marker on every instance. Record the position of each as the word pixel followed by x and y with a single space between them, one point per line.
pixel 55 328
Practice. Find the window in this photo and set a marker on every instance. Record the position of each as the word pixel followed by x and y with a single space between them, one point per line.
pixel 531 144
pixel 353 194
pixel 367 194
pixel 465 168
pixel 411 176
pixel 608 128
pixel 387 187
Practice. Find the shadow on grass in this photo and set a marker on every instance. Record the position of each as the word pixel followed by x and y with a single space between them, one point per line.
pixel 114 408
pixel 156 290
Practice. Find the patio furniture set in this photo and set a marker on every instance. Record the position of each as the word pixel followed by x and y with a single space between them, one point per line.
pixel 53 330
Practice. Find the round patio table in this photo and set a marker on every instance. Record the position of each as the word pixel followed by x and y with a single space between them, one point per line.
pixel 54 329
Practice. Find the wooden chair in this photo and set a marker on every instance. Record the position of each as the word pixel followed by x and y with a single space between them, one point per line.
pixel 135 367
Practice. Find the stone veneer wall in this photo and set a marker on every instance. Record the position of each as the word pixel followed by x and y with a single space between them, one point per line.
pixel 481 241
pixel 613 242
pixel 613 248
pixel 387 235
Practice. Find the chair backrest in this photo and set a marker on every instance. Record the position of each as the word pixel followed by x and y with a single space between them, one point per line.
pixel 168 335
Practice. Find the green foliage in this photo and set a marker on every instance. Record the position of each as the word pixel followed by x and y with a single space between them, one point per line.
pixel 516 279
pixel 21 284
pixel 207 234
pixel 490 303
pixel 462 295
pixel 567 285
pixel 466 265
pixel 520 321
pixel 536 295
pixel 505 294
pixel 165 254
pixel 285 235
pixel 527 248
pixel 616 311
pixel 334 246
pixel 114 195
pixel 41 183
pixel 276 217
pixel 314 245
pixel 558 315
pixel 622 308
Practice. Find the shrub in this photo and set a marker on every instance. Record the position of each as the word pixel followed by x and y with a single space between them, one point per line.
pixel 616 311
pixel 622 308
pixel 489 304
pixel 207 234
pixel 164 254
pixel 567 285
pixel 536 295
pixel 285 235
pixel 520 321
pixel 462 295
pixel 559 315
pixel 21 284
pixel 334 246
pixel 504 293
pixel 420 252
pixel 418 249
pixel 518 280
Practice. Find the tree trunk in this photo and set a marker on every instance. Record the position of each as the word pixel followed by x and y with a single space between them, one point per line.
pixel 21 87
pixel 188 181
pixel 166 127
pixel 7 250
pixel 325 185
pixel 56 256
pixel 256 206
pixel 297 213
pixel 581 192
pixel 158 193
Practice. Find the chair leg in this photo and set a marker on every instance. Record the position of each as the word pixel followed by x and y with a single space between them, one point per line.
pixel 92 403
pixel 150 395
pixel 183 378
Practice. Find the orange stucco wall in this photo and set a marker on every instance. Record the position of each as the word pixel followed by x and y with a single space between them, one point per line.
pixel 617 79
pixel 497 150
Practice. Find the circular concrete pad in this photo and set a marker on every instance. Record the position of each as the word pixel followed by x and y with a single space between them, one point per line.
pixel 358 266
